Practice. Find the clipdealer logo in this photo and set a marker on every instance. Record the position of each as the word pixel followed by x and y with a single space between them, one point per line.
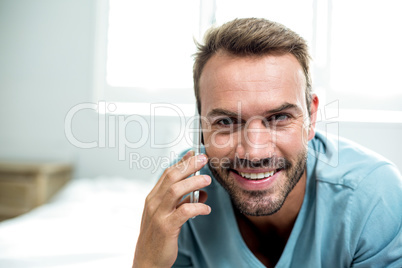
pixel 112 132
pixel 112 128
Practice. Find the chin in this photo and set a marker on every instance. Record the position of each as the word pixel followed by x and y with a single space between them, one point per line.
pixel 258 203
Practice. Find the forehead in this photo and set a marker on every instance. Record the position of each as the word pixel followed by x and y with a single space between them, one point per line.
pixel 259 82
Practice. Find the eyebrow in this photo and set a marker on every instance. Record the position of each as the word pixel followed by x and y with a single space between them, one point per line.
pixel 283 107
pixel 220 112
pixel 223 112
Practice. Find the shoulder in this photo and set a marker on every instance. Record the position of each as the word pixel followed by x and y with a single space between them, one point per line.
pixel 363 193
pixel 376 219
pixel 350 176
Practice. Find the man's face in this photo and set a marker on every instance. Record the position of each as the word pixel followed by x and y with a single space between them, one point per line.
pixel 256 127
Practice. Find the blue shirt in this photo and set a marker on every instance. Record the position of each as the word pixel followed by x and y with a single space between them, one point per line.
pixel 351 216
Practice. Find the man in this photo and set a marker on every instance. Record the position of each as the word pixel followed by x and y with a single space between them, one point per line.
pixel 279 193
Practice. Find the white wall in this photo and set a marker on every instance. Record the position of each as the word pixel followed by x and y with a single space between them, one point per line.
pixel 45 65
pixel 46 60
pixel 46 57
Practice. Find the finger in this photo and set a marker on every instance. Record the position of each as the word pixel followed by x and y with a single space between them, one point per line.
pixel 187 156
pixel 187 211
pixel 153 199
pixel 182 171
pixel 202 198
pixel 157 185
pixel 176 192
pixel 189 165
pixel 184 158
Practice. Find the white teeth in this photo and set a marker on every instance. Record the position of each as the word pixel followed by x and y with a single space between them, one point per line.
pixel 255 176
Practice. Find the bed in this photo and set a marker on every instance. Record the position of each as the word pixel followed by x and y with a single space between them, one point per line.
pixel 91 222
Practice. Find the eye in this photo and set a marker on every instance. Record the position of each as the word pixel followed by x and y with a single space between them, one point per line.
pixel 227 121
pixel 279 118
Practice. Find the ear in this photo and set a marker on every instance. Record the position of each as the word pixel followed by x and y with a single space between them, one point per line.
pixel 313 116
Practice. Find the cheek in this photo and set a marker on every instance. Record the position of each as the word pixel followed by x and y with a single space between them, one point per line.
pixel 219 145
pixel 292 141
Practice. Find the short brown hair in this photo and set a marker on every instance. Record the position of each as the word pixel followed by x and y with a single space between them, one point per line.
pixel 251 37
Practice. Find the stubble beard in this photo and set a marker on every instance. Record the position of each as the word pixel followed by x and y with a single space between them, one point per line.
pixel 264 202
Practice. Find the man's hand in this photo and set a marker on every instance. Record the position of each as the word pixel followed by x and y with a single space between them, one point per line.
pixel 165 212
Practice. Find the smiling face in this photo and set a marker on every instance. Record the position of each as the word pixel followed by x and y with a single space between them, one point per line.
pixel 256 127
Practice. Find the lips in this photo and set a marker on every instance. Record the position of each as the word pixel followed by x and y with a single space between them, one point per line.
pixel 254 181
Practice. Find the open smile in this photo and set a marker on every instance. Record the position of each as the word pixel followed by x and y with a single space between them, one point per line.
pixel 257 180
pixel 256 175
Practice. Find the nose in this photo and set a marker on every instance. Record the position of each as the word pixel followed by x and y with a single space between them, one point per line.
pixel 258 141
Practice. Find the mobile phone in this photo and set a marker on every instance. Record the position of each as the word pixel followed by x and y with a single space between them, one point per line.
pixel 194 196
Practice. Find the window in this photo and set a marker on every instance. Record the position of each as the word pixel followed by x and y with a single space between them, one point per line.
pixel 145 48
pixel 364 59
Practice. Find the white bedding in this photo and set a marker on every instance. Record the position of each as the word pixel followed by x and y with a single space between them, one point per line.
pixel 90 223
